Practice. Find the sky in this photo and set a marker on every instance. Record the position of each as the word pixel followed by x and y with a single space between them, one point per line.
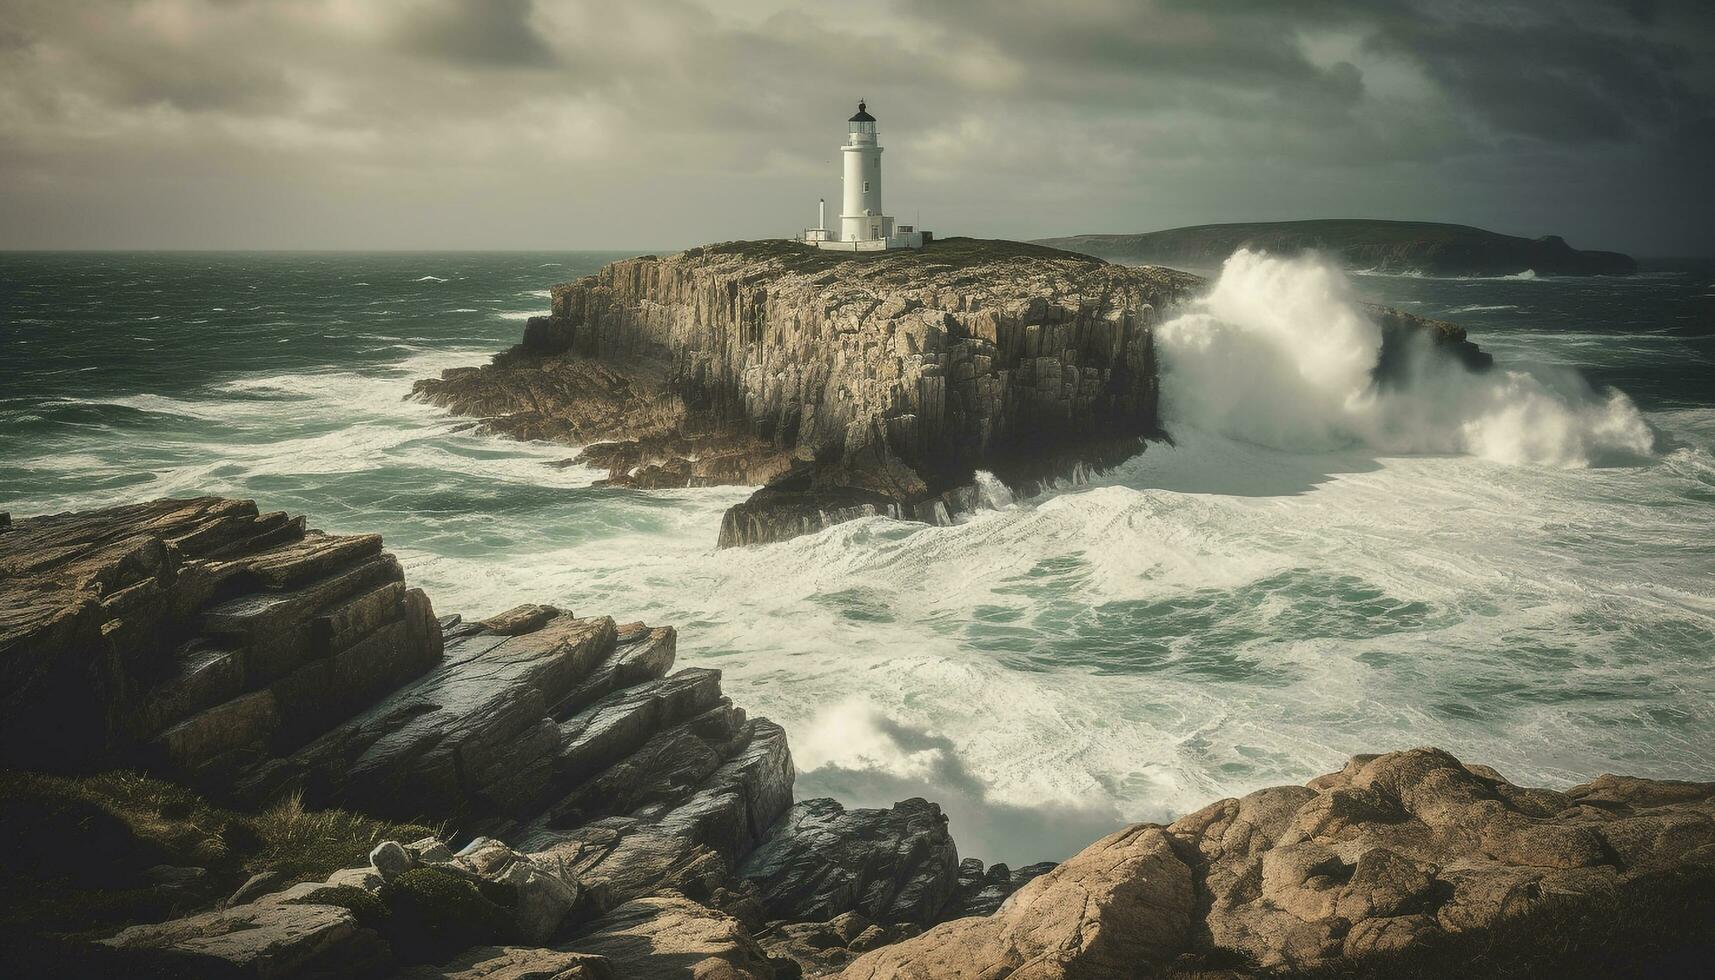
pixel 658 124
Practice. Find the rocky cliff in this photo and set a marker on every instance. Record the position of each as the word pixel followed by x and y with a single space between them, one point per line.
pixel 1425 247
pixel 256 661
pixel 603 815
pixel 848 384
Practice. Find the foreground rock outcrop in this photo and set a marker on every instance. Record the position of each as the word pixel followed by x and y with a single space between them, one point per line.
pixel 595 813
pixel 1393 853
pixel 260 661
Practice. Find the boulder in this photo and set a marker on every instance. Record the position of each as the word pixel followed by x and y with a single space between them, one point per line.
pixel 1399 849
pixel 390 860
pixel 821 860
pixel 1118 908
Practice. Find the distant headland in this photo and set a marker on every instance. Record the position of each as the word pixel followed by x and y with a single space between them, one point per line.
pixel 1428 247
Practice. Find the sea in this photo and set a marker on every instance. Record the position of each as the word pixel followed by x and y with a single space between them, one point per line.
pixel 1518 566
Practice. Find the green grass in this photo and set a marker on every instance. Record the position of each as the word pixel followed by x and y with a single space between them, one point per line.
pixel 76 849
pixel 435 915
pixel 946 253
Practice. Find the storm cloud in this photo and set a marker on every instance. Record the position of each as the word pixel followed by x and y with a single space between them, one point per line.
pixel 664 123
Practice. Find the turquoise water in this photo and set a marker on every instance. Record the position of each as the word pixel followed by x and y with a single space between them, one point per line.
pixel 1504 571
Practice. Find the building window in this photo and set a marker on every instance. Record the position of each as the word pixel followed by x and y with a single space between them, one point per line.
pixel 866 187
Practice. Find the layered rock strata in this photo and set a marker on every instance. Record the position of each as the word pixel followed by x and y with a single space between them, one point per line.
pixel 256 659
pixel 194 637
pixel 850 385
pixel 607 816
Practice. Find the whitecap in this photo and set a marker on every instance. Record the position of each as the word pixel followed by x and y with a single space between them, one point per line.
pixel 1280 352
pixel 426 279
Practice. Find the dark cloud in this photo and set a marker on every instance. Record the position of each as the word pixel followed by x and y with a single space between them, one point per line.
pixel 481 33
pixel 660 123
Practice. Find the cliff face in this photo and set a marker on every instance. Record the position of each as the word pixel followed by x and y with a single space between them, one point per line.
pixel 850 384
pixel 1387 246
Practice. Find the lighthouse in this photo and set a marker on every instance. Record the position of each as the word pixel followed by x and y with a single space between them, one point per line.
pixel 863 226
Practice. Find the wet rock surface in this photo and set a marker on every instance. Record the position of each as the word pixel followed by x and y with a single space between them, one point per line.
pixel 603 815
pixel 822 860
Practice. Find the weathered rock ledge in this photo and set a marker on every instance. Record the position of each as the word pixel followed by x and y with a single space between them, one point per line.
pixel 255 659
pixel 603 815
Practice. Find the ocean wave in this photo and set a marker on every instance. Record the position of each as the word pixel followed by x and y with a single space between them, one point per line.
pixel 1280 352
pixel 429 279
pixel 517 314
pixel 1483 308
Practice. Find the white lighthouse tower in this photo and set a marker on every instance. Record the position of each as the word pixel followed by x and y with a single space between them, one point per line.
pixel 863 227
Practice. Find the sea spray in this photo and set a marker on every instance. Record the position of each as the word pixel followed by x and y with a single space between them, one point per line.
pixel 1281 353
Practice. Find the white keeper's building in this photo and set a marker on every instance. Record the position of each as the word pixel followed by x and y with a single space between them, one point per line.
pixel 863 228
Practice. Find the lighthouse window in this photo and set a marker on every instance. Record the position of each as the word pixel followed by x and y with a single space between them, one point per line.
pixel 866 187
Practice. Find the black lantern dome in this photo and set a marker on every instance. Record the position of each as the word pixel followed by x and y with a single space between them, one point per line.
pixel 863 122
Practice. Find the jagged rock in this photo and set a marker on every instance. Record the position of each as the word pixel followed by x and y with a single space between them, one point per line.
pixel 193 637
pixel 852 387
pixel 1117 908
pixel 980 891
pixel 822 860
pixel 668 938
pixel 260 940
pixel 515 963
pixel 820 948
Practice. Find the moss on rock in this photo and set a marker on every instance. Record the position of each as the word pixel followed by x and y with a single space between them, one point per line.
pixel 436 914
pixel 369 909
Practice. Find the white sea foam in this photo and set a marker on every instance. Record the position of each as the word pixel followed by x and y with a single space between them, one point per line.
pixel 1241 609
pixel 517 314
pixel 427 279
pixel 1281 352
